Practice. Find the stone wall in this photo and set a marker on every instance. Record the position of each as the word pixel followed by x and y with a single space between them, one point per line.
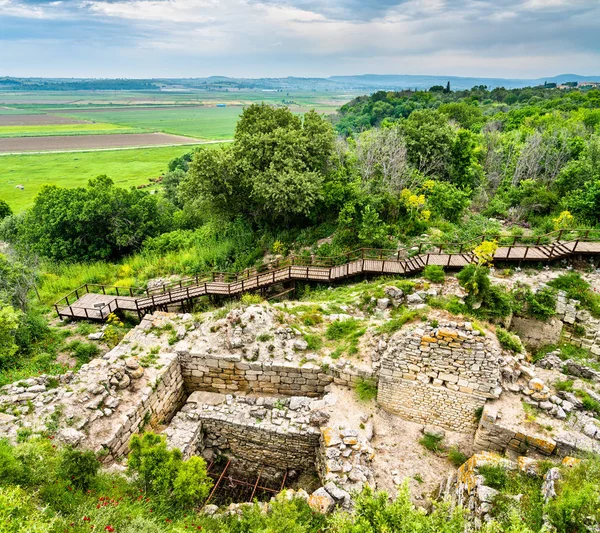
pixel 259 431
pixel 227 373
pixel 439 375
pixel 156 404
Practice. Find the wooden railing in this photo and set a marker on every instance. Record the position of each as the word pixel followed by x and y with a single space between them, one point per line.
pixel 551 245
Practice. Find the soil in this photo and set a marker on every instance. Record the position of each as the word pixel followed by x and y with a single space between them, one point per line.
pixel 91 142
pixel 398 454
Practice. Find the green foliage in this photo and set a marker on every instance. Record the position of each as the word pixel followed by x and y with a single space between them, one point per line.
pixel 579 289
pixel 100 221
pixel 9 323
pixel 366 389
pixel 483 298
pixel 84 352
pixel 456 457
pixel 434 273
pixel 432 442
pixel 251 299
pixel 447 201
pixel 540 304
pixel 315 342
pixel 78 467
pixel 495 476
pixel 402 316
pixel 508 340
pixel 340 329
pixel 5 210
pixel 162 472
pixel 274 170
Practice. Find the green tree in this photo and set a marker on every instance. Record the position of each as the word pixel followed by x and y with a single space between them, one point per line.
pixel 100 221
pixel 465 170
pixel 273 172
pixel 10 320
pixel 5 209
pixel 428 138
pixel 372 230
pixel 78 467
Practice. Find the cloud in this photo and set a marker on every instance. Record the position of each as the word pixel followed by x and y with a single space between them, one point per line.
pixel 304 37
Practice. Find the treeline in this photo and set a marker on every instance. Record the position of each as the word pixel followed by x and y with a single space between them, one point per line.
pixel 15 84
pixel 508 107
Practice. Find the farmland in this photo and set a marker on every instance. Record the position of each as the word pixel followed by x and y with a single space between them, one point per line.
pixel 126 167
pixel 74 124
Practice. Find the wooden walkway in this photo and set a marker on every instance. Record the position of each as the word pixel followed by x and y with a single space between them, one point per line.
pixel 87 303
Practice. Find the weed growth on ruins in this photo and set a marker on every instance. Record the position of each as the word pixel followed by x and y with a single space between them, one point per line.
pixel 366 389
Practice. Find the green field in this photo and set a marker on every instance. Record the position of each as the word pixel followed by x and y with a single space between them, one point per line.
pixel 36 130
pixel 125 167
pixel 209 123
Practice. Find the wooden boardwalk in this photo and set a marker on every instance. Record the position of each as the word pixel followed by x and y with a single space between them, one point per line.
pixel 88 303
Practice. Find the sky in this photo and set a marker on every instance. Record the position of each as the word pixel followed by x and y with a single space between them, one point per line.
pixel 277 38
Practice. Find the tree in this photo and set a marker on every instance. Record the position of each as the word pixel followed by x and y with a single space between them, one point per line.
pixel 97 222
pixel 465 170
pixel 9 323
pixel 372 231
pixel 273 172
pixel 428 137
pixel 5 209
pixel 18 277
pixel 170 183
pixel 446 200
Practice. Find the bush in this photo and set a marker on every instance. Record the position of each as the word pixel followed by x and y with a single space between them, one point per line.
pixel 366 389
pixel 340 329
pixel 578 289
pixel 162 472
pixel 251 299
pixel 5 210
pixel 434 273
pixel 83 351
pixel 483 298
pixel 432 442
pixel 495 476
pixel 456 457
pixel 508 340
pixel 79 468
pixel 402 317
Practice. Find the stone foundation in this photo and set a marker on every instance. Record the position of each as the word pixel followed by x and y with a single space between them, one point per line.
pixel 439 375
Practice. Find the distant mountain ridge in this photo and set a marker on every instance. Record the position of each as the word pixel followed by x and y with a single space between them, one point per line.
pixel 362 82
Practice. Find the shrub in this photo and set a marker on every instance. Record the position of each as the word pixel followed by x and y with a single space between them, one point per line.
pixel 483 298
pixel 366 389
pixel 434 273
pixel 192 484
pixel 508 340
pixel 578 289
pixel 495 476
pixel 80 468
pixel 432 442
pixel 315 342
pixel 456 457
pixel 251 299
pixel 340 329
pixel 83 351
pixel 391 326
pixel 162 472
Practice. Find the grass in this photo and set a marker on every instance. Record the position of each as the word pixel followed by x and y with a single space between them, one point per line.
pixel 36 130
pixel 210 123
pixel 366 389
pixel 402 317
pixel 126 167
pixel 433 443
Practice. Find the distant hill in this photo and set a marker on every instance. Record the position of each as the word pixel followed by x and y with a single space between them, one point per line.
pixel 363 82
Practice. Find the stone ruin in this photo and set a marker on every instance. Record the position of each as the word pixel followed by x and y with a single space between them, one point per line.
pixel 246 387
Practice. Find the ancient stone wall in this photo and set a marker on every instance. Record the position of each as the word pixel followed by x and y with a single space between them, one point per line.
pixel 227 373
pixel 155 405
pixel 259 431
pixel 439 375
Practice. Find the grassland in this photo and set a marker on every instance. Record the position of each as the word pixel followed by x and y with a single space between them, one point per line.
pixel 37 130
pixel 207 123
pixel 126 167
